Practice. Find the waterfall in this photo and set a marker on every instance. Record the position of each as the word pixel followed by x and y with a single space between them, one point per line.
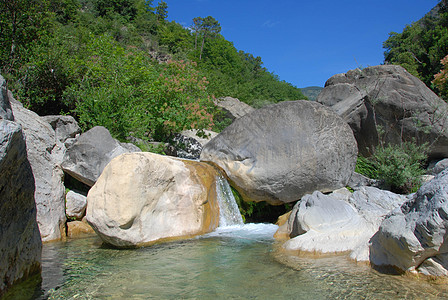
pixel 229 214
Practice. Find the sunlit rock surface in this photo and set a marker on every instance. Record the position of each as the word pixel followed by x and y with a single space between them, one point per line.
pixel 144 198
pixel 20 243
pixel 339 222
pixel 44 153
pixel 414 236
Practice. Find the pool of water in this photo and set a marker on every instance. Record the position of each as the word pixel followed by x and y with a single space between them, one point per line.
pixel 233 262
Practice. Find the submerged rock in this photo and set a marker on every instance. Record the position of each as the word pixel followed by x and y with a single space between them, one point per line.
pixel 283 151
pixel 414 237
pixel 20 243
pixel 144 198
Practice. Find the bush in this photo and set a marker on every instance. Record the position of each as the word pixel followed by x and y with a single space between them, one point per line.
pixel 400 166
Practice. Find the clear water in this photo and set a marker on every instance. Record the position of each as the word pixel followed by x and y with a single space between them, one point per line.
pixel 236 262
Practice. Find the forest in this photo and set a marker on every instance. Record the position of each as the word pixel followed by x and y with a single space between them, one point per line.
pixel 122 65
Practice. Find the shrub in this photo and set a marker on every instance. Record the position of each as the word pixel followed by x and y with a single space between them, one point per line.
pixel 400 166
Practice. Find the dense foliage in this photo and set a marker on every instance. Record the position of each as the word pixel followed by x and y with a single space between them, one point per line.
pixel 120 64
pixel 421 46
pixel 399 166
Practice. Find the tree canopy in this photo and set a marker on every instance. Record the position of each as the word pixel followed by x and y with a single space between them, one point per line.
pixel 121 64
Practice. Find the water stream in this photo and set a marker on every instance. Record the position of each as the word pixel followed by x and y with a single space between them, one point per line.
pixel 238 261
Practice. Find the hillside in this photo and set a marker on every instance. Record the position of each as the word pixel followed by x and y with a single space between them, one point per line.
pixel 311 92
pixel 121 64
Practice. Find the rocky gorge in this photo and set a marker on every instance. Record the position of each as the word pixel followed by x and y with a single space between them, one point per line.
pixel 295 152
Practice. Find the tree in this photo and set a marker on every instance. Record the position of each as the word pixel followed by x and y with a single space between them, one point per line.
pixel 22 22
pixel 206 27
pixel 162 11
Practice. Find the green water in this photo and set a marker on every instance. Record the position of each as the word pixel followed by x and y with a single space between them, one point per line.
pixel 240 262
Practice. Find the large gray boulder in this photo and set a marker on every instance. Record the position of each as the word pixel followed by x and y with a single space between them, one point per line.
pixel 339 222
pixel 281 152
pixel 20 243
pixel 86 159
pixel 390 97
pixel 414 237
pixel 5 105
pixel 44 153
pixel 233 108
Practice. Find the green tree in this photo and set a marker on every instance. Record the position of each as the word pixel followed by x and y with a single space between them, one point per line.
pixel 22 22
pixel 207 27
pixel 421 45
pixel 162 11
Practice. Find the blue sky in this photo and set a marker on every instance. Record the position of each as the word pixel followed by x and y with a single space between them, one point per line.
pixel 306 42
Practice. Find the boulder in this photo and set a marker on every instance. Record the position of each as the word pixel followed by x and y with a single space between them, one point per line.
pixel 93 150
pixel 440 166
pixel 281 152
pixel 44 153
pixel 65 127
pixel 184 147
pixel 413 237
pixel 5 105
pixel 233 108
pixel 144 198
pixel 20 243
pixel 390 97
pixel 339 222
pixel 75 205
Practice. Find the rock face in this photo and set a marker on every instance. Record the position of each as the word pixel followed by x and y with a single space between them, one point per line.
pixel 339 222
pixel 20 243
pixel 93 150
pixel 233 107
pixel 44 152
pixel 392 98
pixel 283 151
pixel 144 198
pixel 414 236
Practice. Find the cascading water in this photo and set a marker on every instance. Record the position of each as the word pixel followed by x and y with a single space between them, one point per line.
pixel 229 214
